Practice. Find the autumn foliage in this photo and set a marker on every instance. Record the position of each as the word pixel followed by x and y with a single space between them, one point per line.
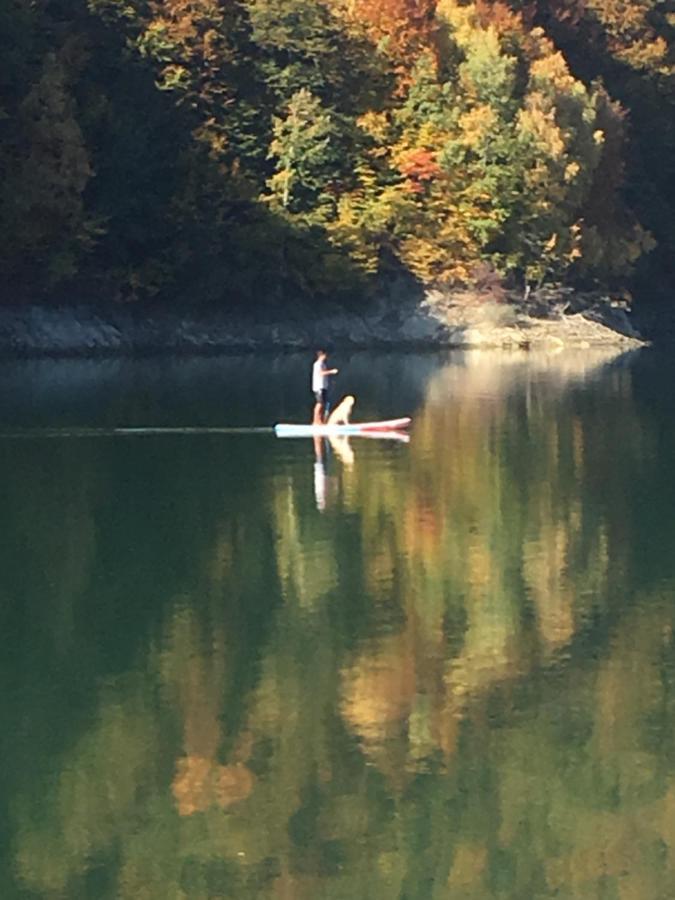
pixel 252 148
pixel 401 28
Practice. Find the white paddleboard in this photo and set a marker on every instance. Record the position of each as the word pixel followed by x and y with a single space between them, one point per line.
pixel 386 428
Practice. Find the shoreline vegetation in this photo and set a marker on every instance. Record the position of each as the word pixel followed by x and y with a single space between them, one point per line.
pixel 441 320
pixel 303 156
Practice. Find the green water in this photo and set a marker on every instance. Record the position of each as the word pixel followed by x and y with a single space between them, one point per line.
pixel 240 667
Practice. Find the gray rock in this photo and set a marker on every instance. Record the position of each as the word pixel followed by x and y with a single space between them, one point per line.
pixel 442 319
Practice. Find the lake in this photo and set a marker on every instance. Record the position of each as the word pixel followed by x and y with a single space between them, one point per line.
pixel 236 666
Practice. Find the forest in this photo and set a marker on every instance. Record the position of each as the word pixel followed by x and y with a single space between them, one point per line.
pixel 276 153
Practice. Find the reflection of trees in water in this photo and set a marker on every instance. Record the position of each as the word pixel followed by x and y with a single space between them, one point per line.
pixel 492 717
pixel 498 545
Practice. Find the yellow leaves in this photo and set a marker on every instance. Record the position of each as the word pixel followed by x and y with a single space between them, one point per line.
pixel 551 242
pixel 572 169
pixel 549 156
pixel 428 137
pixel 280 179
pixel 485 41
pixel 173 77
pixel 177 37
pixel 575 232
pixel 623 16
pixel 650 54
pixel 431 136
pixel 537 121
pixel 445 255
pixel 553 69
pixel 488 74
pixel 180 29
pixel 211 49
pixel 424 257
pixel 371 209
pixel 213 137
pixel 633 35
pixel 363 216
pixel 376 125
pixel 279 185
pixel 461 18
pixel 476 125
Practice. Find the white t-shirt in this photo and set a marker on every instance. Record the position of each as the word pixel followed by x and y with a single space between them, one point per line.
pixel 318 377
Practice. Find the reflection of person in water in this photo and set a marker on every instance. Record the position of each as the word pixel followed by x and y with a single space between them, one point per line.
pixel 327 485
pixel 319 474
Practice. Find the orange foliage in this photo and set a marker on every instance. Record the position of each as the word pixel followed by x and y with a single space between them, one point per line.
pixel 179 17
pixel 403 27
pixel 502 18
pixel 571 12
pixel 419 166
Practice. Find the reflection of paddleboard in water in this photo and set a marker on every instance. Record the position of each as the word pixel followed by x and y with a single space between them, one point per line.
pixel 354 429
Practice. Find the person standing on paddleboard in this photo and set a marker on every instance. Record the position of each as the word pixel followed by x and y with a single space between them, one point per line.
pixel 320 375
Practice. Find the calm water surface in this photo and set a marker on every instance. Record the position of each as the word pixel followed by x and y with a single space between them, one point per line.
pixel 240 667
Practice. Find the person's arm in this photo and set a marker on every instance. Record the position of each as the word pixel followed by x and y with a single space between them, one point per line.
pixel 330 371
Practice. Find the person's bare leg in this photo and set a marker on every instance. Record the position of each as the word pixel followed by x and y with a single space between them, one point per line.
pixel 317 417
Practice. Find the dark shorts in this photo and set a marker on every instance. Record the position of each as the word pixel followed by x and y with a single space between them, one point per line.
pixel 321 397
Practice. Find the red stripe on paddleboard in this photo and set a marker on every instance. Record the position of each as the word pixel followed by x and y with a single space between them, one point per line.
pixel 392 425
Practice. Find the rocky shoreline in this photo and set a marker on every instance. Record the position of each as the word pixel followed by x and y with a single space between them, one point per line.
pixel 440 320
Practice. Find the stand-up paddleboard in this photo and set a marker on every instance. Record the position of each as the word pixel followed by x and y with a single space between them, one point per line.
pixel 354 429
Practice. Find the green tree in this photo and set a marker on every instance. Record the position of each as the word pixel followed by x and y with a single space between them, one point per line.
pixel 305 44
pixel 306 149
pixel 47 172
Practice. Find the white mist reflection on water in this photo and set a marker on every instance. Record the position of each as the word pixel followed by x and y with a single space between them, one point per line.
pixel 440 669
